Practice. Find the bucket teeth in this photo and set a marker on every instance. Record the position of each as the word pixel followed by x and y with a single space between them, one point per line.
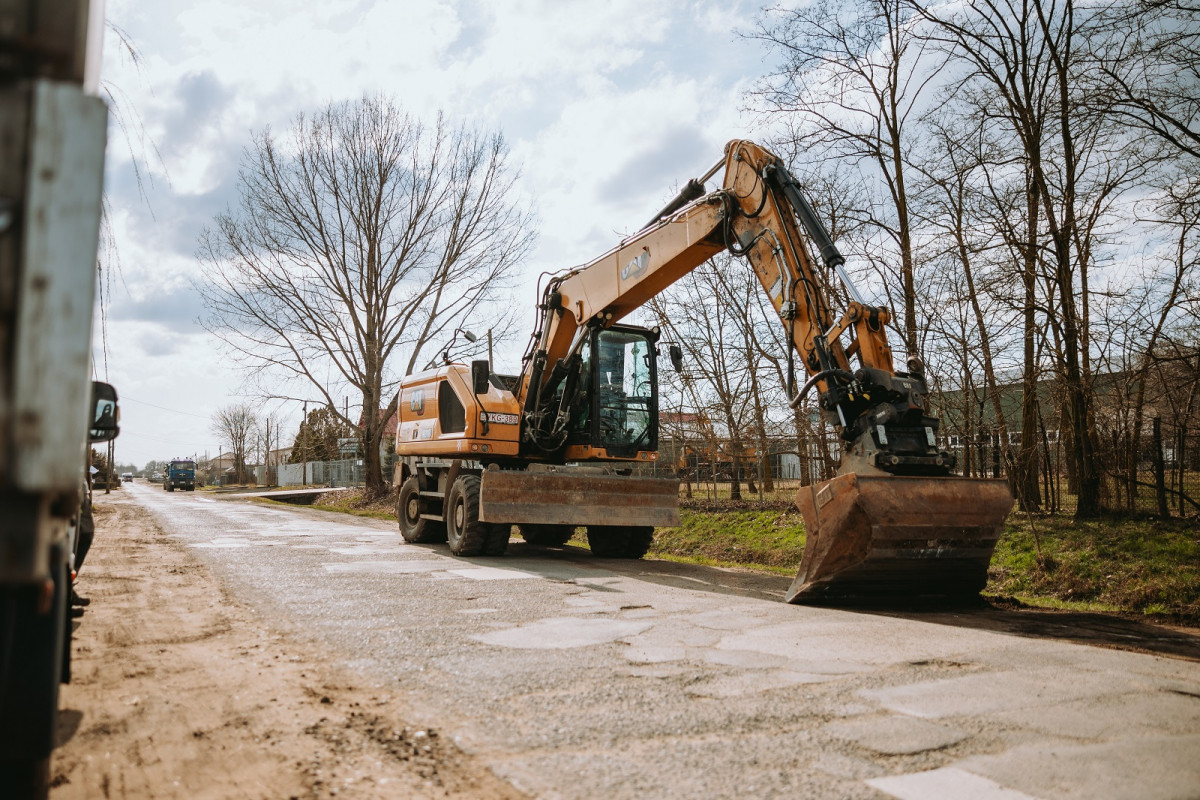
pixel 898 537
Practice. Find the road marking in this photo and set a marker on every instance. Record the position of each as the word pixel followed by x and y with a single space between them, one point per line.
pixel 948 783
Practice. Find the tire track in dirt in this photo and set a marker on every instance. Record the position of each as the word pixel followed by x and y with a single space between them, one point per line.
pixel 178 691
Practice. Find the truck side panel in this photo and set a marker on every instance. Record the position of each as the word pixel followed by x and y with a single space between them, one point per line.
pixel 52 388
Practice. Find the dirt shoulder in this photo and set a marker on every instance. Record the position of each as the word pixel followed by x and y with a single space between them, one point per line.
pixel 179 691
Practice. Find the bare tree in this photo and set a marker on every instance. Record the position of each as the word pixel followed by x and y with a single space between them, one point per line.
pixel 699 312
pixel 852 80
pixel 1148 74
pixel 1026 57
pixel 360 240
pixel 236 426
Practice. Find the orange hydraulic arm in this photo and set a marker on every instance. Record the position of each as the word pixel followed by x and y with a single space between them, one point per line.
pixel 758 213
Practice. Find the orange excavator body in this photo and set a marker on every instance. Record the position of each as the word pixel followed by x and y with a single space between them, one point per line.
pixel 544 449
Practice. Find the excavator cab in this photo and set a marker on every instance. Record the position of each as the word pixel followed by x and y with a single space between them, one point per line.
pixel 617 407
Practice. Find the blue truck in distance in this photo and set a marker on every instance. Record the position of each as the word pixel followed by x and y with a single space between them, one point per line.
pixel 181 474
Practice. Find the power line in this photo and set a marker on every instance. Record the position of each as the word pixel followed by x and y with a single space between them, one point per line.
pixel 162 408
pixel 125 433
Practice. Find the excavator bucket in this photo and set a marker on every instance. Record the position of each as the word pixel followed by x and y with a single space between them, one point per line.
pixel 551 498
pixel 898 537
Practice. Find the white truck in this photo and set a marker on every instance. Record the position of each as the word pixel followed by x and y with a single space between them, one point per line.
pixel 52 137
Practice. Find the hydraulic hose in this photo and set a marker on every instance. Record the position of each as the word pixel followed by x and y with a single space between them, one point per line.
pixel 815 379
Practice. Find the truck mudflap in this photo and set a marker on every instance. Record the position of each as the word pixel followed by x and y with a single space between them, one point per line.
pixel 898 537
pixel 562 498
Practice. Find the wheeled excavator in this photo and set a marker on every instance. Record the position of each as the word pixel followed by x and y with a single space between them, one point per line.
pixel 553 447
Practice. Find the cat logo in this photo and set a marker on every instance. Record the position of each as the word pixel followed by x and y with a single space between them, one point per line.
pixel 416 402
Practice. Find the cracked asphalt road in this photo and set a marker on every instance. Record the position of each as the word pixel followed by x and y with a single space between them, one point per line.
pixel 575 677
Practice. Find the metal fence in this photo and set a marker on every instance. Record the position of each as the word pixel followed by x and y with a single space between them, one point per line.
pixel 348 472
pixel 1162 480
pixel 1156 473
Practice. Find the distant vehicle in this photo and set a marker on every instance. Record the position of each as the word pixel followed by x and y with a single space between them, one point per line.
pixel 127 477
pixel 181 474
pixel 156 477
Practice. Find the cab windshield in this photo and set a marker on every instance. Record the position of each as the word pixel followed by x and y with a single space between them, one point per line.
pixel 624 392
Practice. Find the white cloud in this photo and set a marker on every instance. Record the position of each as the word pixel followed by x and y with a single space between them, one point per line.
pixel 607 107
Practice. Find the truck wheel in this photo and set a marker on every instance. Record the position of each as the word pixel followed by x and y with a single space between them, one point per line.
pixel 624 541
pixel 547 535
pixel 408 511
pixel 32 645
pixel 465 534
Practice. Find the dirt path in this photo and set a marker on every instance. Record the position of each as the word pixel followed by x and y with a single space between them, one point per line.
pixel 178 691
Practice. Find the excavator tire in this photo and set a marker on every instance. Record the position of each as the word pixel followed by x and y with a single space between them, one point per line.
pixel 408 511
pixel 619 541
pixel 640 539
pixel 465 534
pixel 547 535
pixel 497 541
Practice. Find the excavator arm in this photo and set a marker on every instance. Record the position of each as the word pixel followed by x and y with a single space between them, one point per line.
pixel 761 214
pixel 894 521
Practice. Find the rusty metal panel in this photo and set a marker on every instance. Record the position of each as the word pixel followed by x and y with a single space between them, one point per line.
pixel 899 536
pixel 566 499
pixel 52 354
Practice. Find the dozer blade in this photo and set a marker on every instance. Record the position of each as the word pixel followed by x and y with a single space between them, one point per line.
pixel 565 499
pixel 898 537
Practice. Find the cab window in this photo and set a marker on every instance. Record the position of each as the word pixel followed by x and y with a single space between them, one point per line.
pixel 451 414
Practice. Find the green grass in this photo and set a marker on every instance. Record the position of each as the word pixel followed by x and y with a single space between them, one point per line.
pixel 1141 566
pixel 751 538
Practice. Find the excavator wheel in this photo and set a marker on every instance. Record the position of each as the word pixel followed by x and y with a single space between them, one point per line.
pixel 619 541
pixel 465 534
pixel 497 541
pixel 547 535
pixel 408 512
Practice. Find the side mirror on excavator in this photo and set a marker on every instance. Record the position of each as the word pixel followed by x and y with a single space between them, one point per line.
pixel 480 376
pixel 676 353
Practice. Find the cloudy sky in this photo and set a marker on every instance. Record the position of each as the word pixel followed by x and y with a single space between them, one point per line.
pixel 607 107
